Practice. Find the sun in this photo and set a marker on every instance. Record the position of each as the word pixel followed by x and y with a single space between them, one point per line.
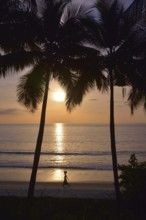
pixel 59 96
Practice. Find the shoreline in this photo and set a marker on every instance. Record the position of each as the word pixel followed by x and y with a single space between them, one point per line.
pixel 55 189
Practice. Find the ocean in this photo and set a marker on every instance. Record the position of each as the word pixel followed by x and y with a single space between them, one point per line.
pixel 83 150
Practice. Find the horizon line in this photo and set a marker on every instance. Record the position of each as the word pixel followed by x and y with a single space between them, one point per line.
pixel 131 123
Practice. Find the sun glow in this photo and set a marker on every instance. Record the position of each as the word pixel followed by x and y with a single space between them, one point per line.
pixel 59 96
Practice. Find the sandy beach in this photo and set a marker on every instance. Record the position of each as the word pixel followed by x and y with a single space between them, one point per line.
pixel 55 189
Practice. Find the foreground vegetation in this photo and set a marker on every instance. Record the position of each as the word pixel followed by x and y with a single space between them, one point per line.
pixel 47 208
pixel 133 179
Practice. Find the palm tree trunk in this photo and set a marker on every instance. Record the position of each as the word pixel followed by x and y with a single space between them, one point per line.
pixel 113 142
pixel 38 144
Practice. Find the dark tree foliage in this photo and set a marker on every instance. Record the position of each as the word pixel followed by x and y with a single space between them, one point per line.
pixel 133 179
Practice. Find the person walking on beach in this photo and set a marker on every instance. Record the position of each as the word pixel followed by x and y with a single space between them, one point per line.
pixel 65 182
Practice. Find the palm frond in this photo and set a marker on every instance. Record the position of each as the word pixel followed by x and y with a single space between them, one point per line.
pixel 123 91
pixel 63 75
pixel 82 84
pixel 137 39
pixel 135 12
pixel 106 30
pixel 112 23
pixel 137 94
pixel 137 97
pixel 21 29
pixel 78 50
pixel 52 9
pixel 75 94
pixel 15 62
pixel 31 4
pixel 102 82
pixel 30 89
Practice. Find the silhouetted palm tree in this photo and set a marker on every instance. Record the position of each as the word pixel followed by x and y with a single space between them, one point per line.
pixel 57 59
pixel 43 49
pixel 33 87
pixel 110 31
pixel 28 39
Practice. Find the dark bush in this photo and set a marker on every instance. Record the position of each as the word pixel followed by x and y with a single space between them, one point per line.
pixel 133 179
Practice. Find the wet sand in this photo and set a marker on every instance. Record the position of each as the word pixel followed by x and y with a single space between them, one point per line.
pixel 55 189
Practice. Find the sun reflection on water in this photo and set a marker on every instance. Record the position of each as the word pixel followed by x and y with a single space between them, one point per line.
pixel 59 137
pixel 59 159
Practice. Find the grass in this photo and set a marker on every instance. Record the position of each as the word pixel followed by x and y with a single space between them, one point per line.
pixel 47 208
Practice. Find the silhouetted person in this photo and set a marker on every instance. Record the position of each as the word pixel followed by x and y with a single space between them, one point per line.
pixel 65 182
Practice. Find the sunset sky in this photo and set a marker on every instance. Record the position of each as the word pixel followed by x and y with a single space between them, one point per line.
pixel 94 109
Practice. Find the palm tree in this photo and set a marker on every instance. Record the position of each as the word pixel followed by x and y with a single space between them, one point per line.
pixel 42 51
pixel 110 33
pixel 21 50
pixel 33 89
pixel 56 60
pixel 107 36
